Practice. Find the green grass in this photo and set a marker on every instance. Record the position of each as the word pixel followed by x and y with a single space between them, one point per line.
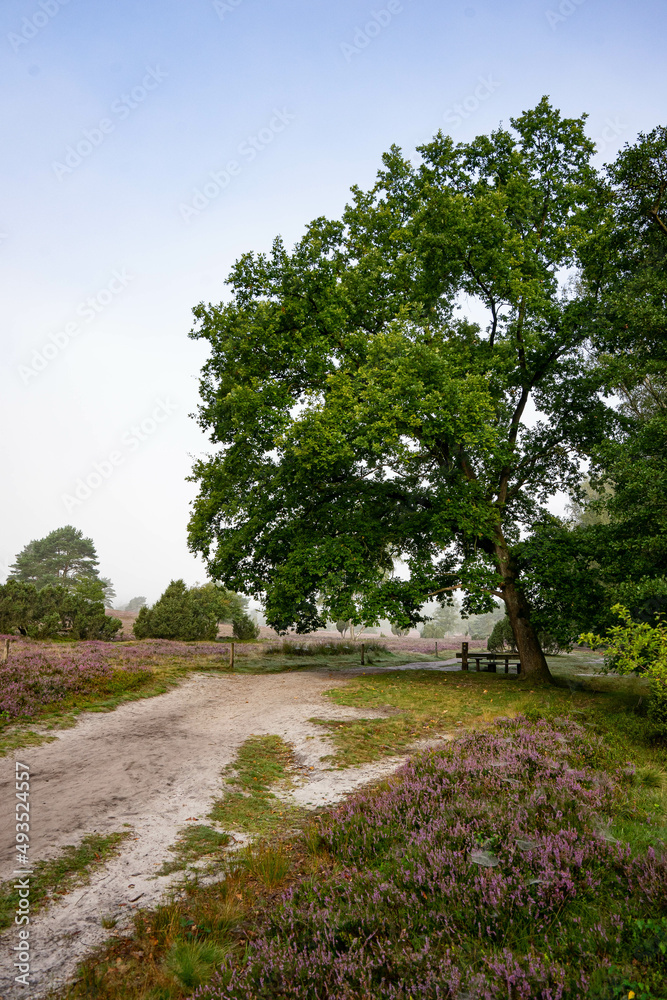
pixel 249 805
pixel 424 704
pixel 193 962
pixel 59 875
pixel 194 843
pixel 290 657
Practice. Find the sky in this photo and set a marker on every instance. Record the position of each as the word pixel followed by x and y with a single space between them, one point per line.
pixel 147 145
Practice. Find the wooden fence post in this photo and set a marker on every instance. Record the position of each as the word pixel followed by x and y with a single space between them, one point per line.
pixel 464 656
pixel 363 654
pixel 231 656
pixel 436 648
pixel 4 651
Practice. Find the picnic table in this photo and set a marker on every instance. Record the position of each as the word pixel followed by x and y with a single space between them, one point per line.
pixel 489 661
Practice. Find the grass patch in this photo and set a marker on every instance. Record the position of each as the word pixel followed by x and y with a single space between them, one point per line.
pixel 178 946
pixel 423 704
pixel 192 963
pixel 291 650
pixel 53 878
pixel 249 805
pixel 194 843
pixel 266 863
pixel 290 656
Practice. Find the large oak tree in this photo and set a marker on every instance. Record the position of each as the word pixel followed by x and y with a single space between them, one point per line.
pixel 363 417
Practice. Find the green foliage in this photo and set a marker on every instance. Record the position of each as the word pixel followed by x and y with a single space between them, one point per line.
pixel 638 647
pixel 481 626
pixel 632 647
pixel 400 632
pixel 194 962
pixel 178 614
pixel 244 627
pixel 502 636
pixel 502 639
pixel 445 621
pixel 375 424
pixel 62 558
pixel 223 604
pixel 135 604
pixel 56 612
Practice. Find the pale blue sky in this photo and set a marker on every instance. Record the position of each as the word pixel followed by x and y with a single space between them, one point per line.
pixel 156 97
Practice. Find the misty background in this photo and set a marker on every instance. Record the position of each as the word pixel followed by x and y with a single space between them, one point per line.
pixel 148 145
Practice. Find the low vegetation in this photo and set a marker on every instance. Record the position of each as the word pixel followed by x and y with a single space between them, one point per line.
pixel 388 890
pixel 49 683
pixel 487 868
pixel 59 875
pixel 249 804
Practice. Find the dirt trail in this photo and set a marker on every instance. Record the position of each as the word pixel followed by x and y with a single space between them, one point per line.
pixel 152 764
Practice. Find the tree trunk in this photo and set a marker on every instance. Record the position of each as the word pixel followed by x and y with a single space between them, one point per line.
pixel 533 663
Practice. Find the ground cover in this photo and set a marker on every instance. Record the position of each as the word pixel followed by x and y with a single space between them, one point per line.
pixel 249 805
pixel 486 869
pixel 419 704
pixel 61 874
pixel 170 949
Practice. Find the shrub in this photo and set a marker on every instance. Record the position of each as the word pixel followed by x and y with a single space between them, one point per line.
pixel 178 614
pixel 432 630
pixel 638 647
pixel 502 636
pixel 322 648
pixel 54 613
pixel 244 627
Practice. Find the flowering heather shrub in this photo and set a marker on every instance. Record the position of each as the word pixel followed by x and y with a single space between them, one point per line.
pixel 36 675
pixel 483 871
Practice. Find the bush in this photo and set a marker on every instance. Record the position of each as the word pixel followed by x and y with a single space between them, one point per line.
pixel 400 632
pixel 54 612
pixel 502 637
pixel 657 706
pixel 641 648
pixel 178 614
pixel 290 648
pixel 432 630
pixel 244 627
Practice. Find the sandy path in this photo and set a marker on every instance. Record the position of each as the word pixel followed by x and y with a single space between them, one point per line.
pixel 152 764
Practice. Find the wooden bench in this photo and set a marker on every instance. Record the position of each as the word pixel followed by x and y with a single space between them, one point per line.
pixel 490 659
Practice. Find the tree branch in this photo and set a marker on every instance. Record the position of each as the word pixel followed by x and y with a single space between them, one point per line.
pixel 491 300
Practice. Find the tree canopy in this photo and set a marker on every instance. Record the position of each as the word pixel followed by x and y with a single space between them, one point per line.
pixel 63 558
pixel 362 417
